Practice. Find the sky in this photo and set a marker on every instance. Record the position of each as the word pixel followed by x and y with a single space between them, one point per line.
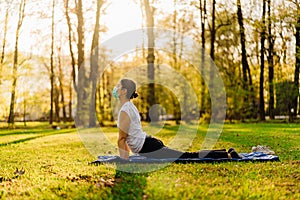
pixel 120 16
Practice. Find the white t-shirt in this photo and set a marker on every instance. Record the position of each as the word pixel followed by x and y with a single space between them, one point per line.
pixel 135 136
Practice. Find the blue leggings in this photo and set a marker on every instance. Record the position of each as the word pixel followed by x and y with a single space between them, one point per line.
pixel 155 148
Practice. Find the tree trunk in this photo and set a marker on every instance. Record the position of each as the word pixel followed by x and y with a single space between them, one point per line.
pixel 297 66
pixel 212 52
pixel 175 60
pixel 213 31
pixel 73 62
pixel 150 58
pixel 56 103
pixel 271 64
pixel 70 43
pixel 11 117
pixel 247 79
pixel 103 98
pixel 3 43
pixel 262 65
pixel 82 96
pixel 70 101
pixel 174 36
pixel 61 89
pixel 203 21
pixel 94 67
pixel 24 111
pixel 243 45
pixel 52 66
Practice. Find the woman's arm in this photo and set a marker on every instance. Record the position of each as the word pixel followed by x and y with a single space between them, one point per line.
pixel 123 130
pixel 123 147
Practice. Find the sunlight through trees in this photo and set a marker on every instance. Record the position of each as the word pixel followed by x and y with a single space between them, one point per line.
pixel 255 46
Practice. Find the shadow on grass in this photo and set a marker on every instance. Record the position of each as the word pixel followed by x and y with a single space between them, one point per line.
pixel 25 132
pixel 129 185
pixel 35 137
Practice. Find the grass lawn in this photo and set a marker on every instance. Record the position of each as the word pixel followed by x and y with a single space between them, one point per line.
pixel 56 167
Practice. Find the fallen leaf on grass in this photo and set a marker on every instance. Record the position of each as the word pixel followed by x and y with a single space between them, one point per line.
pixel 105 183
pixel 296 162
pixel 19 172
pixel 80 177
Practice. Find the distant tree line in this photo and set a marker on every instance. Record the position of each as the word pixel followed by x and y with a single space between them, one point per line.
pixel 255 46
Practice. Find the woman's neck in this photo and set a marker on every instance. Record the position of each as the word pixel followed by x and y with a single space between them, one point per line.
pixel 123 101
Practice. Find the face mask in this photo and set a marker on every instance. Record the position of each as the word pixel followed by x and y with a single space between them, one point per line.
pixel 114 93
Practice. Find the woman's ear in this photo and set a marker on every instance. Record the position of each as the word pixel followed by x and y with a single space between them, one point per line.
pixel 124 90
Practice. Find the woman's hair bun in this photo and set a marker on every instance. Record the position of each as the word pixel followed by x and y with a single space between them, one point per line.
pixel 134 95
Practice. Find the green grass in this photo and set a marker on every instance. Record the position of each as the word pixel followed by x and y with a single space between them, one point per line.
pixel 56 167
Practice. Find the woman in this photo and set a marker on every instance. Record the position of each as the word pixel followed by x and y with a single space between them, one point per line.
pixel 131 136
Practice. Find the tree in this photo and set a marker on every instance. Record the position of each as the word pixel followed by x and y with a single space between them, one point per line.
pixel 56 95
pixel 52 65
pixel 202 8
pixel 212 43
pixel 174 27
pixel 73 62
pixel 94 66
pixel 82 82
pixel 247 79
pixel 149 10
pixel 4 40
pixel 262 65
pixel 297 55
pixel 245 65
pixel 70 100
pixel 61 85
pixel 213 31
pixel 175 59
pixel 271 42
pixel 16 64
